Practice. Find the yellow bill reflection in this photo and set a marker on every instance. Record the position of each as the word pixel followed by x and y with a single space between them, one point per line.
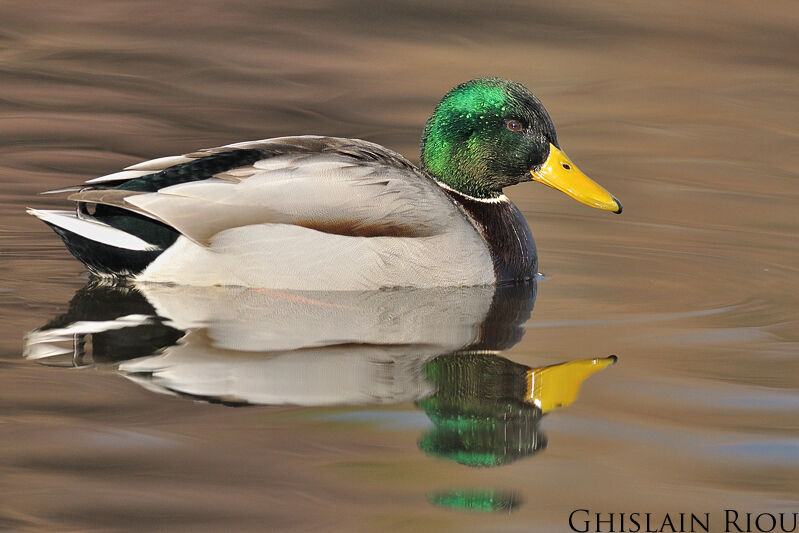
pixel 555 386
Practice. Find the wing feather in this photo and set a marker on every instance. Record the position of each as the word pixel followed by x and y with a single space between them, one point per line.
pixel 122 175
pixel 113 197
pixel 156 165
pixel 314 185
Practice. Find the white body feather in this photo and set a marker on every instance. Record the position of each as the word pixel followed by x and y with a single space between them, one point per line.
pixel 292 257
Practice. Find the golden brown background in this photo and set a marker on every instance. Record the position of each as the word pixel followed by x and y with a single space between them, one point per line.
pixel 686 111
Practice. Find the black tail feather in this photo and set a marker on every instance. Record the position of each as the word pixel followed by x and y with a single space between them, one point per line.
pixel 104 259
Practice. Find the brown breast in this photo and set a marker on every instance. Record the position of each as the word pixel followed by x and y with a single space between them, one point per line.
pixel 505 230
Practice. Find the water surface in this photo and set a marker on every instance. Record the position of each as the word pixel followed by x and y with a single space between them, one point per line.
pixel 687 112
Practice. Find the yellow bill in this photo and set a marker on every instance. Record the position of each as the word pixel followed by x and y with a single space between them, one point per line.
pixel 560 173
pixel 551 387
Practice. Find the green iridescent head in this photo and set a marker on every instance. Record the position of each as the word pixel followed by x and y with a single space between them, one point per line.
pixel 487 134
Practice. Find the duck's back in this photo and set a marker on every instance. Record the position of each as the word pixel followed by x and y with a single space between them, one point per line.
pixel 292 212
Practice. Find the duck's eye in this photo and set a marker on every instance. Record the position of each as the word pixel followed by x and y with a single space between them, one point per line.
pixel 514 125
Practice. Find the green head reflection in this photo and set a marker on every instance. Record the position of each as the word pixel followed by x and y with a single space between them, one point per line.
pixel 475 500
pixel 486 408
pixel 479 412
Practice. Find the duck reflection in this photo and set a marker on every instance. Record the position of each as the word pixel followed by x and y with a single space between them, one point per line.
pixel 435 347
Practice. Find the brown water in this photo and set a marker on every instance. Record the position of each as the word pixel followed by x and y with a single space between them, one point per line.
pixel 686 111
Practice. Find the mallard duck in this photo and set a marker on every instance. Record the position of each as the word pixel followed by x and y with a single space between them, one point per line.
pixel 312 212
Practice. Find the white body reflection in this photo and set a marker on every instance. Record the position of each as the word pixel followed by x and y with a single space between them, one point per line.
pixel 242 345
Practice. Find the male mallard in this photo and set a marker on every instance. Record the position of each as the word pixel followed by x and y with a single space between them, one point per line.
pixel 329 213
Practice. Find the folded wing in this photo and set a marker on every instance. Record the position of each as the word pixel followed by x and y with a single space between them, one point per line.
pixel 338 186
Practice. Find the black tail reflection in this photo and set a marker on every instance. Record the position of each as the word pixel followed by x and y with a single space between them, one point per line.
pixel 121 325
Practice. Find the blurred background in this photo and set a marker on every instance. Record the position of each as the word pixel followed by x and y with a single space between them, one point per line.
pixel 685 111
